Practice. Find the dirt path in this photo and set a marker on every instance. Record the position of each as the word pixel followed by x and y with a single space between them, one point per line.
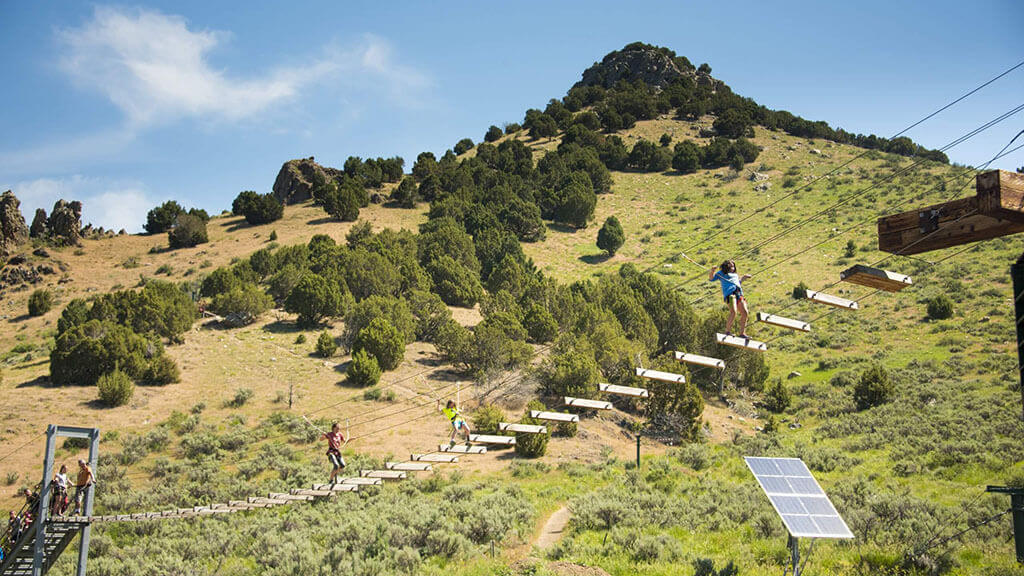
pixel 553 528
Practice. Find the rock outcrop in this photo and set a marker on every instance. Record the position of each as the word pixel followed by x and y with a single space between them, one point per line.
pixel 657 67
pixel 297 178
pixel 12 224
pixel 65 222
pixel 39 227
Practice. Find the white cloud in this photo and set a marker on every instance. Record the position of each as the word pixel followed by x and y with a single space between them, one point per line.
pixel 113 205
pixel 156 70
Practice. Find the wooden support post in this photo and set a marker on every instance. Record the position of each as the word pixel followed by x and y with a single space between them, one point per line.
pixel 1017 514
pixel 1017 274
pixel 637 450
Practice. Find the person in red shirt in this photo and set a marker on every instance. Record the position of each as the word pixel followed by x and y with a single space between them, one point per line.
pixel 335 441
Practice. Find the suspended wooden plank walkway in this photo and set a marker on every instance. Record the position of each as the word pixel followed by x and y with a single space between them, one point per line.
pixel 522 428
pixel 383 474
pixel 741 342
pixel 554 416
pixel 462 449
pixel 830 300
pixel 584 403
pixel 996 210
pixel 436 458
pixel 409 466
pixel 492 439
pixel 875 278
pixel 337 487
pixel 361 481
pixel 624 390
pixel 782 322
pixel 699 360
pixel 659 375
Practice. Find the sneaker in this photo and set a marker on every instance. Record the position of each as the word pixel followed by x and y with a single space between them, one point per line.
pixel 451 443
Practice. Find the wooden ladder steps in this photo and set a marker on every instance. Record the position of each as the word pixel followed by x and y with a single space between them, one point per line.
pixel 554 416
pixel 659 375
pixel 437 458
pixel 699 360
pixel 584 403
pixel 624 390
pixel 523 428
pixel 491 439
pixel 875 278
pixel 409 466
pixel 462 449
pixel 782 322
pixel 741 342
pixel 830 300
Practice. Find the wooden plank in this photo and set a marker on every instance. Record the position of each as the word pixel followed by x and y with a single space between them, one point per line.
pixel 584 403
pixel 437 458
pixel 741 342
pixel 1001 195
pixel 314 493
pixel 624 390
pixel 875 278
pixel 462 449
pixel 360 481
pixel 782 322
pixel 384 474
pixel 659 375
pixel 241 503
pixel 830 300
pixel 699 360
pixel 523 428
pixel 554 416
pixel 271 501
pixel 289 497
pixel 491 439
pixel 409 466
pixel 951 223
pixel 337 487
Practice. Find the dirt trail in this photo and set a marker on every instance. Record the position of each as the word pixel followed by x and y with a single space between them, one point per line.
pixel 553 528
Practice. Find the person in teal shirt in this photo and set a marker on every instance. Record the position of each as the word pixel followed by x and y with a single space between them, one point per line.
pixel 732 293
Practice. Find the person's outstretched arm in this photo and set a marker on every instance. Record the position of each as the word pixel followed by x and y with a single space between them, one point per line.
pixel 711 274
pixel 745 276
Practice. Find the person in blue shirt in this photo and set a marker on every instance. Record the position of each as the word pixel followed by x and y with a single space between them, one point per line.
pixel 732 292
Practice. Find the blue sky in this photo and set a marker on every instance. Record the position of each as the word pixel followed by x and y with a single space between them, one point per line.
pixel 124 106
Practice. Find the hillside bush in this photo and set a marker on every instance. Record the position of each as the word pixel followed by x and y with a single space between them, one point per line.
pixel 188 231
pixel 429 312
pixel 940 307
pixel 463 146
pixel 406 194
pixel 493 134
pixel 382 341
pixel 242 395
pixel 687 157
pixel 874 388
pixel 86 351
pixel 244 299
pixel 486 418
pixel 540 324
pixel 163 217
pixel 40 302
pixel 115 388
pixel 456 284
pixel 364 371
pixel 532 445
pixel 611 237
pixel 325 345
pixel 241 202
pixel 315 298
pixel 777 397
pixel 800 291
pixel 571 372
pixel 261 209
pixel 343 201
pixel 394 310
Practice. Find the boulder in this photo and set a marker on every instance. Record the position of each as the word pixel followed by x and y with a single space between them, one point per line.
pixel 656 67
pixel 296 179
pixel 65 222
pixel 12 224
pixel 39 228
pixel 758 177
pixel 763 187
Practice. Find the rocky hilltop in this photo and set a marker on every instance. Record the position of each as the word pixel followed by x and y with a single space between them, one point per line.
pixel 13 230
pixel 652 65
pixel 297 178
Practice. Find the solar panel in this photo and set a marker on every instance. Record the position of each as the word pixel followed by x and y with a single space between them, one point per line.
pixel 797 498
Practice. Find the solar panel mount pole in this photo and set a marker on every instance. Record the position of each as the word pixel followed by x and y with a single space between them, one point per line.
pixel 1017 274
pixel 794 548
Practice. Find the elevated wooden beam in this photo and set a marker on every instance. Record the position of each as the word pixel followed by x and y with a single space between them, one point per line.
pixel 997 210
pixel 437 458
pixel 383 474
pixel 781 322
pixel 524 428
pixel 699 360
pixel 289 497
pixel 462 449
pixel 584 403
pixel 741 342
pixel 360 481
pixel 829 300
pixel 314 493
pixel 337 487
pixel 624 390
pixel 409 466
pixel 491 439
pixel 554 416
pixel 659 375
pixel 875 278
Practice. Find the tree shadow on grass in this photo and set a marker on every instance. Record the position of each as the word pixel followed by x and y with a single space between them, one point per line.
pixel 37 382
pixel 282 327
pixel 324 220
pixel 563 228
pixel 596 258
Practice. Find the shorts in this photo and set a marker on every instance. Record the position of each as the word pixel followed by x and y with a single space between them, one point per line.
pixel 737 293
pixel 459 423
pixel 336 460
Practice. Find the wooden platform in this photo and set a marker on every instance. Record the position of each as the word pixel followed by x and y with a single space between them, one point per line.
pixel 360 481
pixel 659 375
pixel 875 278
pixel 624 390
pixel 554 416
pixel 782 322
pixel 337 487
pixel 584 403
pixel 741 342
pixel 462 449
pixel 383 474
pixel 436 458
pixel 829 300
pixel 491 439
pixel 699 360
pixel 996 210
pixel 522 428
pixel 409 466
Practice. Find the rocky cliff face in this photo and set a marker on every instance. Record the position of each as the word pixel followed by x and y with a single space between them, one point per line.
pixel 65 222
pixel 12 224
pixel 657 67
pixel 297 178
